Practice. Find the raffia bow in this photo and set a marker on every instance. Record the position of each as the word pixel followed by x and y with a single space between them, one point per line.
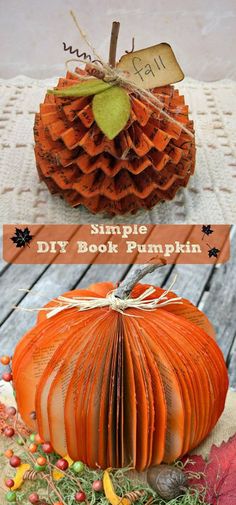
pixel 84 303
pixel 117 304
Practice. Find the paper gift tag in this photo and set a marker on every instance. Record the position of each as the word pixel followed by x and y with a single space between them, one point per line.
pixel 151 67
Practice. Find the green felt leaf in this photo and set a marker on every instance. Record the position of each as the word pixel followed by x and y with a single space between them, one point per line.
pixel 85 88
pixel 111 110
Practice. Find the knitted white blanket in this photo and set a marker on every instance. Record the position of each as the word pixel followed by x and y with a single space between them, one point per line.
pixel 210 196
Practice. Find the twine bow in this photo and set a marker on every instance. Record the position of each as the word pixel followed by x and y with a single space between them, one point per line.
pixel 116 77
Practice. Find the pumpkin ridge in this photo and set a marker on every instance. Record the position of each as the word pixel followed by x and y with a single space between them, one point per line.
pixel 117 389
pixel 72 153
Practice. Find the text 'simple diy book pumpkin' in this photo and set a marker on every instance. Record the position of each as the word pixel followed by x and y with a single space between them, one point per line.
pixel 146 160
pixel 121 380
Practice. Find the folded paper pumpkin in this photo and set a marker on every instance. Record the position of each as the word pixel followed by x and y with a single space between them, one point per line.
pixel 147 162
pixel 115 389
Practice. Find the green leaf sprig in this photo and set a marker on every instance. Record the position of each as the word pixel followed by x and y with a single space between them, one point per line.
pixel 111 104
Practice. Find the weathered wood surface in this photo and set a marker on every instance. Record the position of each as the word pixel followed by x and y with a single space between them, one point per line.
pixel 213 289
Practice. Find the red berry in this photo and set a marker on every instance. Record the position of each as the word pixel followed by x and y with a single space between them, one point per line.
pixel 9 482
pixel 34 498
pixel 32 448
pixel 80 496
pixel 47 448
pixel 15 461
pixel 8 453
pixel 41 461
pixel 97 485
pixel 62 464
pixel 7 377
pixel 5 360
pixel 9 431
pixel 11 411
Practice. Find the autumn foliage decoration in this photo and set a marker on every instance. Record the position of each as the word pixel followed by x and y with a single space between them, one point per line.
pixel 117 388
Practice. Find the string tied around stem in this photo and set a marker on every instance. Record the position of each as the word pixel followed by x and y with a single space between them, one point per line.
pixel 143 302
pixel 108 72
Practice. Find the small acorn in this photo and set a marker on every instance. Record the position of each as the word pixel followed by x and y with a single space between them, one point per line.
pixel 167 481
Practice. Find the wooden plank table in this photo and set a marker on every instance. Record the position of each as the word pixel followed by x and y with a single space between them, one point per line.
pixel 212 289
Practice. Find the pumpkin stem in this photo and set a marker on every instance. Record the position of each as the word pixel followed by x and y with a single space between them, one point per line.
pixel 124 289
pixel 113 43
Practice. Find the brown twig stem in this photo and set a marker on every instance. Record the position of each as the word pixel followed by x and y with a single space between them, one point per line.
pixel 126 286
pixel 113 43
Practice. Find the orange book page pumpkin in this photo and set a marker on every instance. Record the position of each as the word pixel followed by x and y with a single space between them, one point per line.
pixel 146 163
pixel 115 389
